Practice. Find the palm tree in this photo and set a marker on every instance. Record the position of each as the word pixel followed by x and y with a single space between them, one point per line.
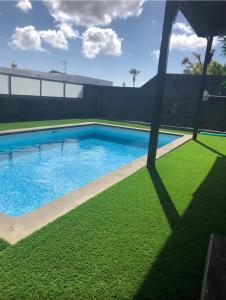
pixel 214 67
pixel 134 72
pixel 188 65
pixel 197 56
pixel 193 68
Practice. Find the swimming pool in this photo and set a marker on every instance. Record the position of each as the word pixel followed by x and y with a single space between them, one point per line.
pixel 40 166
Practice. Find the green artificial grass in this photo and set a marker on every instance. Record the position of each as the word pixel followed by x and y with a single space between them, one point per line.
pixel 3 245
pixel 144 238
pixel 19 125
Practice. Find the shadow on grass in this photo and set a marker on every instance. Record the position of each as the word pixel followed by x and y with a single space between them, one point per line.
pixel 211 149
pixel 178 270
pixel 165 199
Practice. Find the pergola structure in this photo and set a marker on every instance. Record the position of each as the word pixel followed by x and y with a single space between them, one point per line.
pixel 208 19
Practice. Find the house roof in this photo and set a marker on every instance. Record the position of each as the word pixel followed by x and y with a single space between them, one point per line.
pixel 57 76
pixel 208 18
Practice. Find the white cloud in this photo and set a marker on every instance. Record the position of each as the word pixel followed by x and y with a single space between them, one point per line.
pixel 184 28
pixel 54 38
pixel 216 41
pixel 29 38
pixel 93 13
pixel 24 5
pixel 68 31
pixel 187 40
pixel 59 38
pixel 191 42
pixel 26 38
pixel 155 54
pixel 98 40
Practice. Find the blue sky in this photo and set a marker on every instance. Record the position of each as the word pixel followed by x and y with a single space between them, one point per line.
pixel 98 38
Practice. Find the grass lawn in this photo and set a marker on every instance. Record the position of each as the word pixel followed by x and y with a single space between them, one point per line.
pixel 144 238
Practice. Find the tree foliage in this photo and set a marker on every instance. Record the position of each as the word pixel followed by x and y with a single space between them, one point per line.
pixel 134 72
pixel 195 68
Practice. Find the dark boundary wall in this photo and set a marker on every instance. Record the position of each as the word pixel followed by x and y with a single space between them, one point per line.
pixel 122 103
pixel 181 96
pixel 32 108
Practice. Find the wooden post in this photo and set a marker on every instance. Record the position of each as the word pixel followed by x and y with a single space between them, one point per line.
pixel 171 9
pixel 202 87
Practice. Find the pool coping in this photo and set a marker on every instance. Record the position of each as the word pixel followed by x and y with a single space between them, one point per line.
pixel 16 228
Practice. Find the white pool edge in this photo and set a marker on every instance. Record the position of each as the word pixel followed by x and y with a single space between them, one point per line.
pixel 14 229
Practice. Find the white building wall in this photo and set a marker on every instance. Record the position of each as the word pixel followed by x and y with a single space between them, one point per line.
pixel 4 84
pixel 25 86
pixel 52 89
pixel 73 91
pixel 77 79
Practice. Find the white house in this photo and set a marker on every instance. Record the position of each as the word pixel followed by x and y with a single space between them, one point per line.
pixel 76 79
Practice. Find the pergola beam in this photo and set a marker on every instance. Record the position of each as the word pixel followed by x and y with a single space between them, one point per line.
pixel 171 9
pixel 202 87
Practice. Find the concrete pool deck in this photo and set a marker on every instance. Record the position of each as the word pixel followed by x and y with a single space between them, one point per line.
pixel 13 229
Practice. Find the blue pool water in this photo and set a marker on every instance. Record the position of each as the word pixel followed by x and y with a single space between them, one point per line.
pixel 38 167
